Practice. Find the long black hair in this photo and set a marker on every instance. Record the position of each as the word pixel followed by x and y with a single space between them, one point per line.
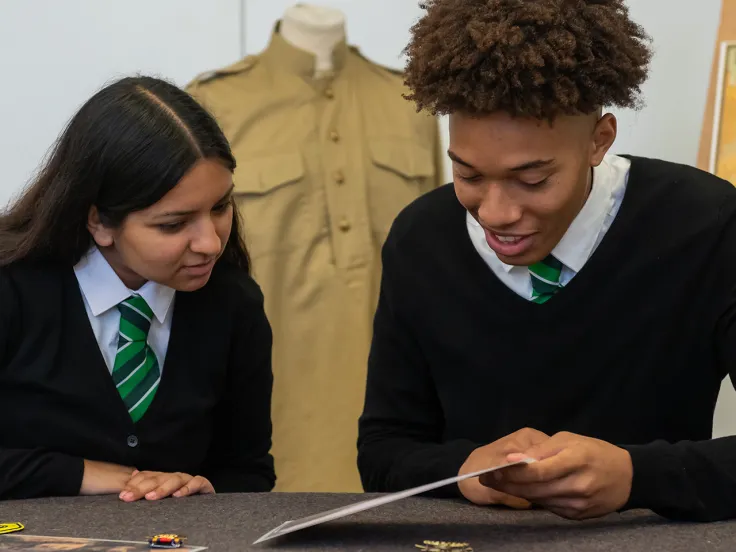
pixel 126 148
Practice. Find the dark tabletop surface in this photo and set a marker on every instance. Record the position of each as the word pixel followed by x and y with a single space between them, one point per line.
pixel 233 522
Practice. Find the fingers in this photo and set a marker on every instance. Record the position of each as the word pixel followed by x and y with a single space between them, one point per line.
pixel 197 485
pixel 560 476
pixel 170 486
pixel 566 513
pixel 575 477
pixel 135 490
pixel 519 441
pixel 570 505
pixel 488 479
pixel 514 502
pixel 561 497
pixel 550 447
pixel 131 491
pixel 484 496
pixel 561 465
pixel 517 457
pixel 158 485
pixel 537 492
pixel 150 484
pixel 492 497
pixel 529 436
pixel 577 509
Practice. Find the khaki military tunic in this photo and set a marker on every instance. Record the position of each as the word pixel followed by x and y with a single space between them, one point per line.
pixel 324 166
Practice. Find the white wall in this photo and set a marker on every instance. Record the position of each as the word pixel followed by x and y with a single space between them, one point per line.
pixel 55 54
pixel 684 34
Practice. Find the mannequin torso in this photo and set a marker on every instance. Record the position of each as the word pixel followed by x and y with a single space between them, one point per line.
pixel 316 30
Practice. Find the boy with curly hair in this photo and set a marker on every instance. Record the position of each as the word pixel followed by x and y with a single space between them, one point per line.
pixel 561 303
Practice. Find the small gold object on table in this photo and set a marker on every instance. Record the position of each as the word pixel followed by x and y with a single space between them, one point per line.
pixel 441 546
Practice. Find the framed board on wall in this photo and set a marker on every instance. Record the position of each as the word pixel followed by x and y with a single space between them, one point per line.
pixel 723 143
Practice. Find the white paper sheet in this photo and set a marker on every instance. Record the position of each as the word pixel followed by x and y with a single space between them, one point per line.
pixel 337 513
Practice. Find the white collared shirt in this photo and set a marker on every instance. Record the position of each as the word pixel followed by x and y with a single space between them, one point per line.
pixel 103 290
pixel 582 237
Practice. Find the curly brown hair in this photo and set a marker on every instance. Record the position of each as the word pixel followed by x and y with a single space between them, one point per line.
pixel 537 58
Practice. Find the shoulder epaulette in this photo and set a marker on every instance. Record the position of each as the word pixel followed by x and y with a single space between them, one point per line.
pixel 244 64
pixel 392 70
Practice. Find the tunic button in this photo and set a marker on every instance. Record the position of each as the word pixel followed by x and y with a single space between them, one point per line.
pixel 339 177
pixel 344 225
pixel 329 93
pixel 132 441
pixel 334 136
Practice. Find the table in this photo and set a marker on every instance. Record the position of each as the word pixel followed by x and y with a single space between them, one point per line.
pixel 232 522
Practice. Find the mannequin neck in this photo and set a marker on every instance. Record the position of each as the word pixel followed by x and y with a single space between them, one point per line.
pixel 316 30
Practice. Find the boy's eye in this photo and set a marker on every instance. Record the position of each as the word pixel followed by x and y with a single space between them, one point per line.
pixel 535 184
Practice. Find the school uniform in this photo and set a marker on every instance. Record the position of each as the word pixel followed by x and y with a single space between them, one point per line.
pixel 625 335
pixel 152 379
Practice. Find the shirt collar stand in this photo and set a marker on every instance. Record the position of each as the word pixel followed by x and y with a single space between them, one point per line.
pixel 300 62
pixel 104 290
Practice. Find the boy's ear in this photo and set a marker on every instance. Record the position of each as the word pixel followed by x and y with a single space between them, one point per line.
pixel 604 135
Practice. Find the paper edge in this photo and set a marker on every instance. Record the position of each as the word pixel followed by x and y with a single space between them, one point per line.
pixel 371 503
pixel 268 535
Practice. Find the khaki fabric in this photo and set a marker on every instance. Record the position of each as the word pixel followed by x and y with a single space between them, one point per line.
pixel 324 166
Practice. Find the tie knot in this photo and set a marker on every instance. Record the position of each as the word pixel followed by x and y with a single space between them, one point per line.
pixel 545 277
pixel 547 270
pixel 135 318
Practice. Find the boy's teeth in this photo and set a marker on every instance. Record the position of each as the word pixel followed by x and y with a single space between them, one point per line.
pixel 508 239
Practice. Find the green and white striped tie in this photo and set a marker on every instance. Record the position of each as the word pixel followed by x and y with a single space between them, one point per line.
pixel 136 372
pixel 545 279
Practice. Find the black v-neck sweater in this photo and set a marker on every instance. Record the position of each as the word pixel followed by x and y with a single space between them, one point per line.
pixel 59 405
pixel 632 351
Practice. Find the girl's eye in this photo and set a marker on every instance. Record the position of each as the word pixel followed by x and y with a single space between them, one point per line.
pixel 170 227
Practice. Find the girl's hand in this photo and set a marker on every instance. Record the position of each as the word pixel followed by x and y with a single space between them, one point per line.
pixel 102 478
pixel 157 485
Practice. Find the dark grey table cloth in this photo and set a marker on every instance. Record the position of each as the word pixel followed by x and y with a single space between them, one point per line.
pixel 233 522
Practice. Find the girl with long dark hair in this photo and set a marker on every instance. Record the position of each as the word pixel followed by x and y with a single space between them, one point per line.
pixel 135 355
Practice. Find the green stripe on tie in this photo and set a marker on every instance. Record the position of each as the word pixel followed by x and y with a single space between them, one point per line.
pixel 545 277
pixel 136 373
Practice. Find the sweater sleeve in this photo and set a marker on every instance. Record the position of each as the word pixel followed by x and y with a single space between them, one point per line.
pixel 694 481
pixel 30 473
pixel 688 481
pixel 400 441
pixel 239 459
